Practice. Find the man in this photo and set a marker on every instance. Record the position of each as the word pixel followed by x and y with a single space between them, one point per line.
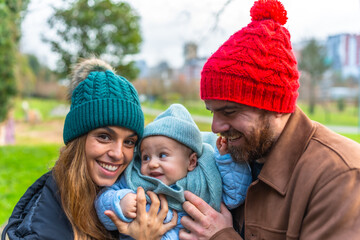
pixel 306 178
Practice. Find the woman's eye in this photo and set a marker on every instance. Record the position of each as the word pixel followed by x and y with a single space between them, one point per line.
pixel 163 155
pixel 130 143
pixel 104 137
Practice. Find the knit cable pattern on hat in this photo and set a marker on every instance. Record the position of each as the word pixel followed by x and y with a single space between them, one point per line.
pixel 256 65
pixel 103 99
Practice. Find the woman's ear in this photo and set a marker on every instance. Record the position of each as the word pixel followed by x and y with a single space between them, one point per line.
pixel 192 162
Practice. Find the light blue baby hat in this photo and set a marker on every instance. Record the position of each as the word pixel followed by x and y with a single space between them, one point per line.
pixel 204 181
pixel 176 123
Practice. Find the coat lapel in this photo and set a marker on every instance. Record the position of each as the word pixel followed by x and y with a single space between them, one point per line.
pixel 281 161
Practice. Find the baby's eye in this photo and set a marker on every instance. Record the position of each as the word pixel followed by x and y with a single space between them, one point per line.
pixel 163 155
pixel 145 158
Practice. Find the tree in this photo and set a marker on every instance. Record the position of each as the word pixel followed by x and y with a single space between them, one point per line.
pixel 24 75
pixel 313 62
pixel 9 37
pixel 102 28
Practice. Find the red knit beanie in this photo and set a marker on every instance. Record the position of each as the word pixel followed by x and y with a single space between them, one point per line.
pixel 256 65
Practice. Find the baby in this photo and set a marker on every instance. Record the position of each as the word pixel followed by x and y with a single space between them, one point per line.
pixel 172 158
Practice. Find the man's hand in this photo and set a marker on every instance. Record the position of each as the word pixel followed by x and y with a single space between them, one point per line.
pixel 204 221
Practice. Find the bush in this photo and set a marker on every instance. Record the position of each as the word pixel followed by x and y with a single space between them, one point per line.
pixel 340 103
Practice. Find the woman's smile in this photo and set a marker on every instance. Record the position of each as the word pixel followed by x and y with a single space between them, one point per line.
pixel 108 166
pixel 115 147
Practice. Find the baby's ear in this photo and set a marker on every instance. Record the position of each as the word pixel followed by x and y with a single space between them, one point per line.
pixel 192 161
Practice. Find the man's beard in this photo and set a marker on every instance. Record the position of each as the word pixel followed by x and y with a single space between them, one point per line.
pixel 256 145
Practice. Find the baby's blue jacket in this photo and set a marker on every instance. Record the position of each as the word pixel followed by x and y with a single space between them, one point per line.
pixel 236 178
pixel 109 199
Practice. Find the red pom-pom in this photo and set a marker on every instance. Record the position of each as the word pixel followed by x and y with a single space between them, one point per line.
pixel 268 9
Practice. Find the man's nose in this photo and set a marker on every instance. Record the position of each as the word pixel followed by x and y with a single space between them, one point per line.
pixel 219 124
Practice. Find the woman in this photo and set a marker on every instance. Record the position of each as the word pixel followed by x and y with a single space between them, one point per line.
pixel 100 132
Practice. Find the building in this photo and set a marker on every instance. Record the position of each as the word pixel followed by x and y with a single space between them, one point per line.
pixel 193 64
pixel 343 52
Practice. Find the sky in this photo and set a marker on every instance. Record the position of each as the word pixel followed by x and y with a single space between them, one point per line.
pixel 167 25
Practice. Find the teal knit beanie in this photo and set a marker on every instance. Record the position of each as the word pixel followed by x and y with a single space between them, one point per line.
pixel 176 123
pixel 103 99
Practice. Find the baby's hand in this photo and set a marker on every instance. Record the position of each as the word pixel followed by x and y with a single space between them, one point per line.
pixel 221 144
pixel 128 205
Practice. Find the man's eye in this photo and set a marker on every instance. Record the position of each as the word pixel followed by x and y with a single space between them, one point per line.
pixel 227 113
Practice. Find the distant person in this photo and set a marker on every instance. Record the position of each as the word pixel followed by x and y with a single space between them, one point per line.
pixel 172 158
pixel 100 132
pixel 306 178
pixel 10 129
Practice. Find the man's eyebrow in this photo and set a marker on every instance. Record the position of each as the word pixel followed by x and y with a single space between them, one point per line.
pixel 223 108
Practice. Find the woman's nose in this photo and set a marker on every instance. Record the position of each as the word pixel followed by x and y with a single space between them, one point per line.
pixel 116 152
pixel 218 124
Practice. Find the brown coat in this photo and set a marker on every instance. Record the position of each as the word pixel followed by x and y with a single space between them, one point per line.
pixel 309 188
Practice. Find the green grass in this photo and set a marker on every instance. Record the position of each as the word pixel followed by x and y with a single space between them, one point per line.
pixel 44 106
pixel 20 166
pixel 330 115
pixel 194 107
pixel 355 137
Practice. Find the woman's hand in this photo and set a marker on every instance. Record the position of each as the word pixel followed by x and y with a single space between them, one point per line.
pixel 147 225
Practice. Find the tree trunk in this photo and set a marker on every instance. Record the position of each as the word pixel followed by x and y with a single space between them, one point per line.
pixel 312 96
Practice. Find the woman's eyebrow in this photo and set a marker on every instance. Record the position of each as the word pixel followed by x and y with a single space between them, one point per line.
pixel 113 132
pixel 133 135
pixel 109 130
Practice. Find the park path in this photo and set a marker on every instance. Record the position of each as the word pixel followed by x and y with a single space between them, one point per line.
pixel 344 129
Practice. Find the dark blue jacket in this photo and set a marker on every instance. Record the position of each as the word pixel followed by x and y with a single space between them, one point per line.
pixel 38 214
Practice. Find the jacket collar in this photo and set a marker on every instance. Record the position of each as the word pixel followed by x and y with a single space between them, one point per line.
pixel 280 163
